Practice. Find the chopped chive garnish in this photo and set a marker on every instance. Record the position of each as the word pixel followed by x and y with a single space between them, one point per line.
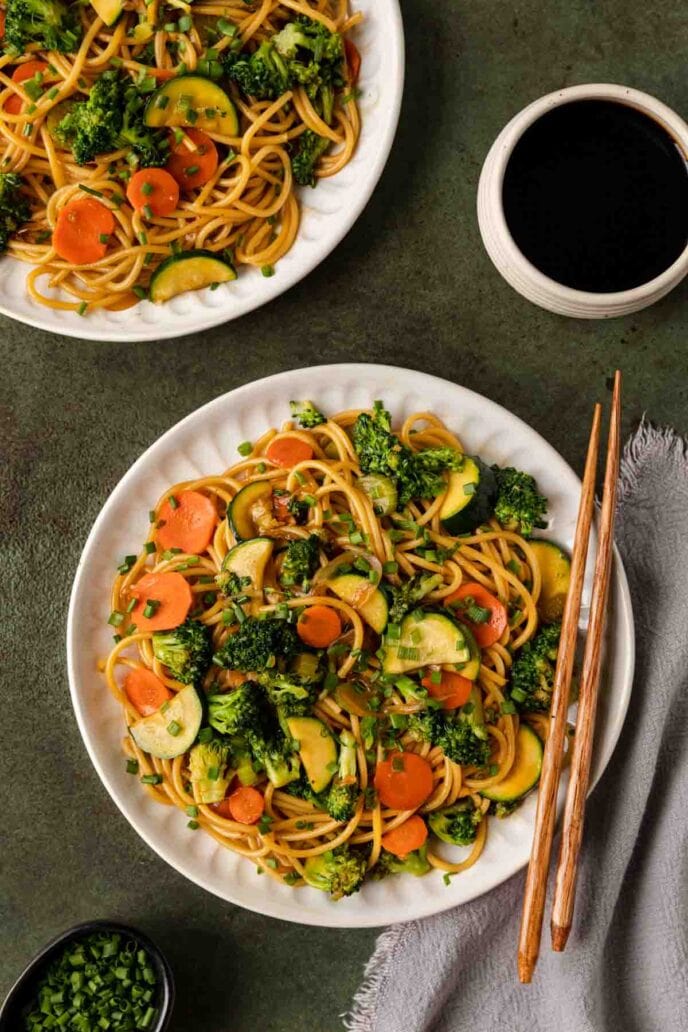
pixel 146 189
pixel 267 271
pixel 149 547
pixel 193 825
pixel 116 618
pixel 151 779
pixel 245 448
pixel 132 767
pixel 173 728
pixel 81 310
pixel 151 607
pixel 192 170
pixel 390 567
pixel 192 811
pixel 132 605
pixel 88 190
pixel 174 504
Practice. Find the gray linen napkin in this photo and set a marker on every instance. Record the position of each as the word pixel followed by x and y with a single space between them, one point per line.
pixel 626 965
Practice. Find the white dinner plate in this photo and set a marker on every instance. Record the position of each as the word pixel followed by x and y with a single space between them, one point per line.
pixel 328 212
pixel 205 442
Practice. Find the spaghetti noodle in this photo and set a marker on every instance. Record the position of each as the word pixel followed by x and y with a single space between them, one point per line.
pixel 306 483
pixel 246 211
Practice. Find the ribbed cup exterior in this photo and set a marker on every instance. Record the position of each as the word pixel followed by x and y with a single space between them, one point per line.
pixel 501 247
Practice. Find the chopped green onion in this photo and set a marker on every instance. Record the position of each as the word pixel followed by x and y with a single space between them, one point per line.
pixel 116 618
pixel 245 448
pixel 151 779
pixel 132 767
pixel 267 271
pixel 173 728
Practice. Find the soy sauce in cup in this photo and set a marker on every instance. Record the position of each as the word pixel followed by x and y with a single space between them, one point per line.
pixel 595 196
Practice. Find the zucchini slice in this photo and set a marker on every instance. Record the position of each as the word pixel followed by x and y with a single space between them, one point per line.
pixel 525 772
pixel 249 559
pixel 317 750
pixel 433 639
pixel 239 512
pixel 382 492
pixel 192 100
pixel 190 270
pixel 470 498
pixel 471 669
pixel 555 570
pixel 183 713
pixel 108 10
pixel 374 609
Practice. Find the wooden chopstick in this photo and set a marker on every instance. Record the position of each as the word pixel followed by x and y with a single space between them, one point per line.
pixel 574 812
pixel 536 878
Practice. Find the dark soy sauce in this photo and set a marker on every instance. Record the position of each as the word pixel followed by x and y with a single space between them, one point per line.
pixel 595 196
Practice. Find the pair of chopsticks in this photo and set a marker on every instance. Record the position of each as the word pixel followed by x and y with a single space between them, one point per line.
pixel 574 813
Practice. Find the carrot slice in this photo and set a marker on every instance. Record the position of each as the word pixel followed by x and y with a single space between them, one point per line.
pixel 485 632
pixel 192 168
pixel 288 451
pixel 2 23
pixel 319 626
pixel 21 73
pixel 452 691
pixel 410 835
pixel 82 231
pixel 403 781
pixel 188 522
pixel 153 191
pixel 172 593
pixel 145 691
pixel 245 804
pixel 353 61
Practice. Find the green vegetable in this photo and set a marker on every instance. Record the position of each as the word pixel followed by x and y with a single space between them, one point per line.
pixel 470 497
pixel 410 593
pixel 15 209
pixel 299 509
pixel 257 645
pixel 415 863
pixel 187 100
pixel 519 506
pixel 307 151
pixel 289 693
pixel 307 414
pixel 189 270
pixel 416 474
pixel 461 736
pixel 300 561
pixel 262 74
pixel 47 24
pixel 183 712
pixel 344 791
pixel 186 651
pixel 338 871
pixel 206 759
pixel 458 824
pixel 532 675
pixel 317 749
pixel 350 586
pixel 244 567
pixel 382 491
pixel 434 639
pixel 103 981
pixel 524 774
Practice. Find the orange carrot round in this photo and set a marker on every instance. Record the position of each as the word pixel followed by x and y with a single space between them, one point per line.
pixel 246 805
pixel 403 781
pixel 490 630
pixel 353 61
pixel 2 23
pixel 188 522
pixel 452 691
pixel 319 626
pixel 409 836
pixel 167 594
pixel 153 191
pixel 192 168
pixel 288 451
pixel 21 73
pixel 82 231
pixel 145 691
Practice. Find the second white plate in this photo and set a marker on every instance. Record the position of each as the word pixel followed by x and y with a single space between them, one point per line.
pixel 206 442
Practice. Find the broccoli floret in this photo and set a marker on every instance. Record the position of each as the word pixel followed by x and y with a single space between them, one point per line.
pixel 463 738
pixel 262 74
pixel 93 126
pixel 338 871
pixel 416 474
pixel 306 155
pixel 150 146
pixel 257 645
pixel 532 675
pixel 231 585
pixel 412 591
pixel 51 24
pixel 307 414
pixel 208 769
pixel 241 760
pixel 343 792
pixel 299 509
pixel 415 863
pixel 314 58
pixel 458 824
pixel 519 506
pixel 186 651
pixel 300 561
pixel 275 753
pixel 15 209
pixel 288 692
pixel 502 810
pixel 238 712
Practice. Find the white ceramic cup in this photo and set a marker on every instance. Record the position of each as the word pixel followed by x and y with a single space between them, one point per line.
pixel 501 247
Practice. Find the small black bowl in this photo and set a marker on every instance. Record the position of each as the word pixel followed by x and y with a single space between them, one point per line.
pixel 22 993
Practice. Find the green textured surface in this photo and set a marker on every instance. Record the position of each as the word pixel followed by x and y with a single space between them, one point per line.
pixel 410 285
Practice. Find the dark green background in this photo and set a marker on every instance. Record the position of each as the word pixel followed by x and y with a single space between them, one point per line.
pixel 410 285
